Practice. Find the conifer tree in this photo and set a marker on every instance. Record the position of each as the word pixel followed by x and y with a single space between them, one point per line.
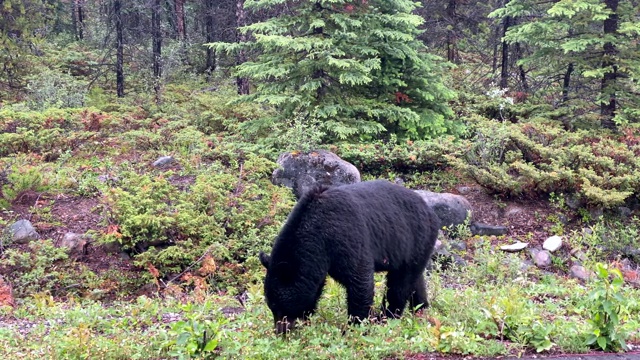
pixel 353 67
pixel 576 41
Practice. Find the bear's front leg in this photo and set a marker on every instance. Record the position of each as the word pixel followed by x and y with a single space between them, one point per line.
pixel 360 301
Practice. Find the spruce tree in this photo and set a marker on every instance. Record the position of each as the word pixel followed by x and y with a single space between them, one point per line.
pixel 354 68
pixel 570 41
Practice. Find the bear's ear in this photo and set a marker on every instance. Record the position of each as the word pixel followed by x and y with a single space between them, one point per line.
pixel 265 259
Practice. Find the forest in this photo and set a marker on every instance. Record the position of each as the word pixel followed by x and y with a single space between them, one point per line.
pixel 139 142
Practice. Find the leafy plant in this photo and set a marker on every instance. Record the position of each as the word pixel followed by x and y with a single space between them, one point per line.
pixel 606 305
pixel 194 336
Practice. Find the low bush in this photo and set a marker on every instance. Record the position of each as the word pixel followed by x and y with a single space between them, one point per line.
pixel 540 157
pixel 229 211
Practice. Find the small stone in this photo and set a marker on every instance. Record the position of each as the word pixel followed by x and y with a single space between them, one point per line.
pixel 22 232
pixel 512 211
pixel 553 243
pixel 578 254
pixel 579 272
pixel 542 259
pixel 164 161
pixel 464 190
pixel 458 245
pixel 514 247
pixel 525 265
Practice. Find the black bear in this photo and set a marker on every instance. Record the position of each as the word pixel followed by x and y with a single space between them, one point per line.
pixel 349 232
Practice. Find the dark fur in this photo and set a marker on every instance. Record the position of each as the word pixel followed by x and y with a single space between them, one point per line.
pixel 349 232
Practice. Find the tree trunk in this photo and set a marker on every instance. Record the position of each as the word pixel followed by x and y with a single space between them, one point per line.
pixel 496 43
pixel 209 28
pixel 566 83
pixel 77 18
pixel 504 69
pixel 117 13
pixel 607 89
pixel 170 10
pixel 157 47
pixel 452 49
pixel 180 23
pixel 521 72
pixel 242 83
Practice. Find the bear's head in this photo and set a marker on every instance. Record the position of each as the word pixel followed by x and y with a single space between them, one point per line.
pixel 290 296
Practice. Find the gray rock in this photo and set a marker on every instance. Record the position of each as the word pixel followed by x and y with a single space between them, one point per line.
pixel 525 265
pixel 552 243
pixel 596 213
pixel 458 245
pixel 579 255
pixel 164 161
pixel 624 211
pixel 452 209
pixel 518 246
pixel 512 210
pixel 300 171
pixel 573 202
pixel 105 178
pixel 464 190
pixel 75 243
pixel 632 252
pixel 22 232
pixel 579 272
pixel 487 230
pixel 542 258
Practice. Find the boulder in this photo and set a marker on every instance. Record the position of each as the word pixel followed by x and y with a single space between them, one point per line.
pixel 75 243
pixel 22 232
pixel 164 161
pixel 299 171
pixel 452 209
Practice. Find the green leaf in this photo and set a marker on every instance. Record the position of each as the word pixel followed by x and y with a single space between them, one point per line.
pixel 602 342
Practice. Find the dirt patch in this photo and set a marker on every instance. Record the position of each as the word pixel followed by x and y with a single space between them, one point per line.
pixel 527 220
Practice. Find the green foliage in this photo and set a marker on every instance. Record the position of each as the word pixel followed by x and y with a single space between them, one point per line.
pixel 232 211
pixel 194 336
pixel 541 157
pixel 18 180
pixel 353 69
pixel 53 89
pixel 565 35
pixel 382 157
pixel 20 34
pixel 606 303
pixel 38 269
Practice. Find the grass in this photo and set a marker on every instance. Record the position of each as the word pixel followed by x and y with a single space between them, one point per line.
pixel 469 314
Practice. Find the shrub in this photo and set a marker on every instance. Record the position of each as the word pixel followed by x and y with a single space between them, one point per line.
pixel 231 211
pixel 541 157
